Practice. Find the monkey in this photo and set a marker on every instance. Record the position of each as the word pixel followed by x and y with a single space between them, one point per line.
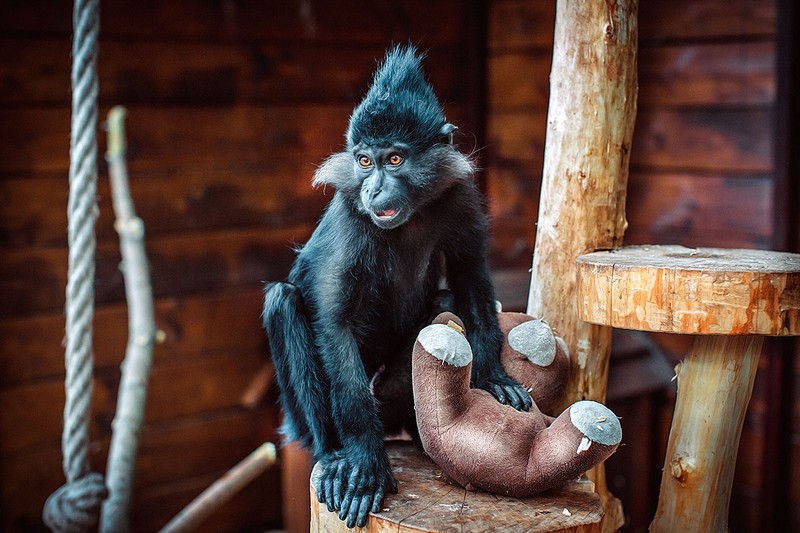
pixel 406 218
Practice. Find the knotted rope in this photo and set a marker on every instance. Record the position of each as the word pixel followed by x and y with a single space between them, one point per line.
pixel 75 507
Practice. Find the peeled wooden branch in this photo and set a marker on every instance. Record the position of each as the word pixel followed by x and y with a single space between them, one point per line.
pixel 222 490
pixel 141 335
pixel 592 109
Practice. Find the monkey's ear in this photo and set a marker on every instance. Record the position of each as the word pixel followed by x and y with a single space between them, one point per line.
pixel 336 171
pixel 447 131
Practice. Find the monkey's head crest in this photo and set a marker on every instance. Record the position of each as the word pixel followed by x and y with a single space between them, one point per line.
pixel 400 106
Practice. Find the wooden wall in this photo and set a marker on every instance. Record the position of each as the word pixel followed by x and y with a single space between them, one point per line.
pixel 231 105
pixel 702 169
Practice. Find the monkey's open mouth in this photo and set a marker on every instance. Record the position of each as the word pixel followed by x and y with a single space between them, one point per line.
pixel 386 214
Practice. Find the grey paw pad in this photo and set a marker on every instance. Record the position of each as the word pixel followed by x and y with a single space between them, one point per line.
pixel 535 340
pixel 597 422
pixel 446 344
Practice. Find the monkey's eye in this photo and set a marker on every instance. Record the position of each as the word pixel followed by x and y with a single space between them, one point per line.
pixel 364 161
pixel 395 159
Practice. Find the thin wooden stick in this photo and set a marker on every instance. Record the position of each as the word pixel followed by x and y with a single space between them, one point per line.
pixel 141 335
pixel 222 490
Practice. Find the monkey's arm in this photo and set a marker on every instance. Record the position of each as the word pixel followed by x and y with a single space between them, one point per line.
pixel 469 280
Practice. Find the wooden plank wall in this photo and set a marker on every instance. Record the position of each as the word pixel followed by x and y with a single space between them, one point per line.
pixel 701 166
pixel 231 106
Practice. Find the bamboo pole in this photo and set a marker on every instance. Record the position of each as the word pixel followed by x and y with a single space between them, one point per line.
pixel 592 110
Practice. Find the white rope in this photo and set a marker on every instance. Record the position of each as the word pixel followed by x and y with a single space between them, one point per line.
pixel 75 506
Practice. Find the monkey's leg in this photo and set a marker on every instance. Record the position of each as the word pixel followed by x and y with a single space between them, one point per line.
pixel 298 368
pixel 354 478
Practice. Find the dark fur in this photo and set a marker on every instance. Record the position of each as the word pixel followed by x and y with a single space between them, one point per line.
pixel 362 288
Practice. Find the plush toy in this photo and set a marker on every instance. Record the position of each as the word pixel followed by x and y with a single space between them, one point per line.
pixel 482 444
pixel 536 358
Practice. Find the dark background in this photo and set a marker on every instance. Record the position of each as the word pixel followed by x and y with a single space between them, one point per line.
pixel 231 105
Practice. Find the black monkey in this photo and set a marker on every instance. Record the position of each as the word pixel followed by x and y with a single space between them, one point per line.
pixel 406 214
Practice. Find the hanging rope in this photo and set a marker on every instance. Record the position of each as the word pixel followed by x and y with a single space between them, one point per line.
pixel 75 506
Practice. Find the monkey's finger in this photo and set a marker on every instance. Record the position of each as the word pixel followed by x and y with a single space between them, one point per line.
pixel 392 482
pixel 363 509
pixel 352 487
pixel 321 484
pixel 330 483
pixel 516 399
pixel 526 400
pixel 336 490
pixel 352 511
pixel 498 393
pixel 377 500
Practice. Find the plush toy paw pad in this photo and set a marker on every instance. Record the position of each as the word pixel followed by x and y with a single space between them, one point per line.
pixel 535 340
pixel 597 423
pixel 446 344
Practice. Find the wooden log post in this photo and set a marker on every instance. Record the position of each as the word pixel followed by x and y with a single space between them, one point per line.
pixel 729 299
pixel 592 110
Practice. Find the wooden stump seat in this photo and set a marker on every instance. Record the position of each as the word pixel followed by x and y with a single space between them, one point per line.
pixel 426 501
pixel 728 299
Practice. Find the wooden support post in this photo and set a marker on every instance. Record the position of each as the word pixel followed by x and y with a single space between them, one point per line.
pixel 701 457
pixel 592 110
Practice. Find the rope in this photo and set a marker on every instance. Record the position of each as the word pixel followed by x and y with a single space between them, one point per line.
pixel 75 506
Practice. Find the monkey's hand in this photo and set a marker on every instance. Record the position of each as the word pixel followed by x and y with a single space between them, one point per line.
pixel 505 389
pixel 354 481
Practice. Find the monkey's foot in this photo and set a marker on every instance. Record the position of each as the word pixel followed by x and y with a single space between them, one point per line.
pixel 354 481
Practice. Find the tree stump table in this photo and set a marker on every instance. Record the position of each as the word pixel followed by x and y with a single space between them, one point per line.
pixel 426 502
pixel 729 299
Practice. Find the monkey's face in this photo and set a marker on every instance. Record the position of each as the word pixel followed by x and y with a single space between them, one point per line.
pixel 385 174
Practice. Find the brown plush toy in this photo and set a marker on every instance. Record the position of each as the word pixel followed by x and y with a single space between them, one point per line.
pixel 536 358
pixel 482 444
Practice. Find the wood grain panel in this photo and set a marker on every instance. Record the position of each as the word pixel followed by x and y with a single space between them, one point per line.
pixel 734 140
pixel 698 210
pixel 33 280
pixel 729 74
pixel 708 19
pixel 516 136
pixel 517 24
pixel 273 195
pixel 173 138
pixel 193 325
pixel 191 73
pixel 163 138
pixel 357 21
pixel 180 388
pixel 519 80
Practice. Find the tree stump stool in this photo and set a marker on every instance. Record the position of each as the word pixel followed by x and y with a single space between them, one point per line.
pixel 426 502
pixel 729 299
